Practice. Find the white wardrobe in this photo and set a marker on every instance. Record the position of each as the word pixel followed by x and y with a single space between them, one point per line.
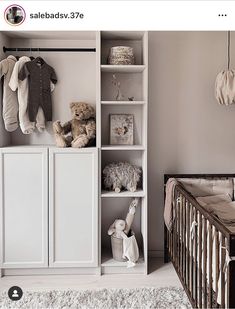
pixel 53 211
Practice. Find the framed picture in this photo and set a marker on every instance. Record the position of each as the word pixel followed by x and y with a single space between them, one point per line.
pixel 121 129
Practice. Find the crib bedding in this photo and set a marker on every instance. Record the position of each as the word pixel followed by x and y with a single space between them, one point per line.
pixel 213 199
pixel 200 187
pixel 224 211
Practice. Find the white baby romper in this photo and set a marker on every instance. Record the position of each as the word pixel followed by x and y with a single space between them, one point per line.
pixel 10 102
pixel 26 126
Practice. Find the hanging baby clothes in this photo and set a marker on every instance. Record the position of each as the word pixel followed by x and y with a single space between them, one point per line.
pixel 26 125
pixel 39 76
pixel 40 119
pixel 10 102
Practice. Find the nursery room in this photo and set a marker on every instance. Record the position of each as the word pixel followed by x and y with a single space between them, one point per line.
pixel 116 163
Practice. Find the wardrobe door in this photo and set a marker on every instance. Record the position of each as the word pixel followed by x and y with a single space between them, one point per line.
pixel 23 207
pixel 73 208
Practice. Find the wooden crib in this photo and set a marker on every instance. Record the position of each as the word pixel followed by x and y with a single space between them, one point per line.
pixel 194 265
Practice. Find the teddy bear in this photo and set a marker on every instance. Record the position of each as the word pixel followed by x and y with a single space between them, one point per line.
pixel 121 175
pixel 82 127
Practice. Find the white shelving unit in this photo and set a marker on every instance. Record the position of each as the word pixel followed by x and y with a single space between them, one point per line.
pixel 134 80
pixel 52 252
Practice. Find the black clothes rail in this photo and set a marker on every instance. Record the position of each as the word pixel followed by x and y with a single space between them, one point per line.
pixel 48 49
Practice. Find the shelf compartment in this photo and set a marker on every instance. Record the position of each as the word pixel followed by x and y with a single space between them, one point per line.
pixel 112 209
pixel 134 157
pixel 137 193
pixel 123 102
pixel 137 112
pixel 131 85
pixel 122 68
pixel 131 39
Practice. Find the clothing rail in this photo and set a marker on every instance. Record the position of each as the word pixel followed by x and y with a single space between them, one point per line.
pixel 48 49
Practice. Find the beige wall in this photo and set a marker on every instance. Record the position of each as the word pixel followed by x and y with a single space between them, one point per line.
pixel 189 132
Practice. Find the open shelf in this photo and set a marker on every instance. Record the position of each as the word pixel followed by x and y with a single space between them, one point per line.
pixel 123 102
pixel 107 260
pixel 137 193
pixel 117 208
pixel 123 147
pixel 122 68
pixel 131 85
pixel 122 38
pixel 138 126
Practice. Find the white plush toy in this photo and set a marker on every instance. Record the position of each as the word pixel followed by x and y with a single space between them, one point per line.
pixel 120 228
pixel 121 175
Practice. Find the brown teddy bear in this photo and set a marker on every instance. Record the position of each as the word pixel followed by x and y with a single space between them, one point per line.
pixel 82 127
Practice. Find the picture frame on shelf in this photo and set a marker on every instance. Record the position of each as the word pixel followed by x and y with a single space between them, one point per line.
pixel 121 129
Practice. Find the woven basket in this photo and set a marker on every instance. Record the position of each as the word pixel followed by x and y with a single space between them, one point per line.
pixel 121 55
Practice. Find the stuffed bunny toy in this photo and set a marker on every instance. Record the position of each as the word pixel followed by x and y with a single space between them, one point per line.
pixel 120 228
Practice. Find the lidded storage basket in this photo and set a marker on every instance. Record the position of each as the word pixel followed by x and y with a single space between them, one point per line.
pixel 122 55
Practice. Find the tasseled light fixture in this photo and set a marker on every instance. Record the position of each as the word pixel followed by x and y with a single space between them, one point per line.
pixel 225 81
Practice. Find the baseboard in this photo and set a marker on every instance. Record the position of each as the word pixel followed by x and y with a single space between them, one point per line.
pixel 156 253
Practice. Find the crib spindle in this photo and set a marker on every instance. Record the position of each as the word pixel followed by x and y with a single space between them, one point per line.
pixel 200 261
pixel 210 267
pixel 181 235
pixel 191 252
pixel 205 262
pixel 222 276
pixel 184 239
pixel 195 256
pixel 178 235
pixel 217 263
pixel 188 244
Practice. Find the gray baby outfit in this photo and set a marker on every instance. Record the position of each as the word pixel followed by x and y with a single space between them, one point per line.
pixel 39 77
pixel 10 101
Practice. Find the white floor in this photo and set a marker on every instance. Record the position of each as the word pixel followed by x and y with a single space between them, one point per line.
pixel 160 275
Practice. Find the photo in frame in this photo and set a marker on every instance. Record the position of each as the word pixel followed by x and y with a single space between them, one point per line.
pixel 121 129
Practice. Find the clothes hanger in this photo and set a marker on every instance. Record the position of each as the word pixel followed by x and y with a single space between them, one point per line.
pixel 31 57
pixel 39 59
pixel 17 57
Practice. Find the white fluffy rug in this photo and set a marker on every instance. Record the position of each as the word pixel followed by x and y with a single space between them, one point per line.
pixel 143 298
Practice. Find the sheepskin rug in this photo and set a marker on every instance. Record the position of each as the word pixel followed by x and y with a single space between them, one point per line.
pixel 141 298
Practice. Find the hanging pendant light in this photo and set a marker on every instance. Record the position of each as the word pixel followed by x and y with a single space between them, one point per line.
pixel 225 81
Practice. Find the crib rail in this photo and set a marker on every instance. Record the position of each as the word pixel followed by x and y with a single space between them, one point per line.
pixel 200 248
